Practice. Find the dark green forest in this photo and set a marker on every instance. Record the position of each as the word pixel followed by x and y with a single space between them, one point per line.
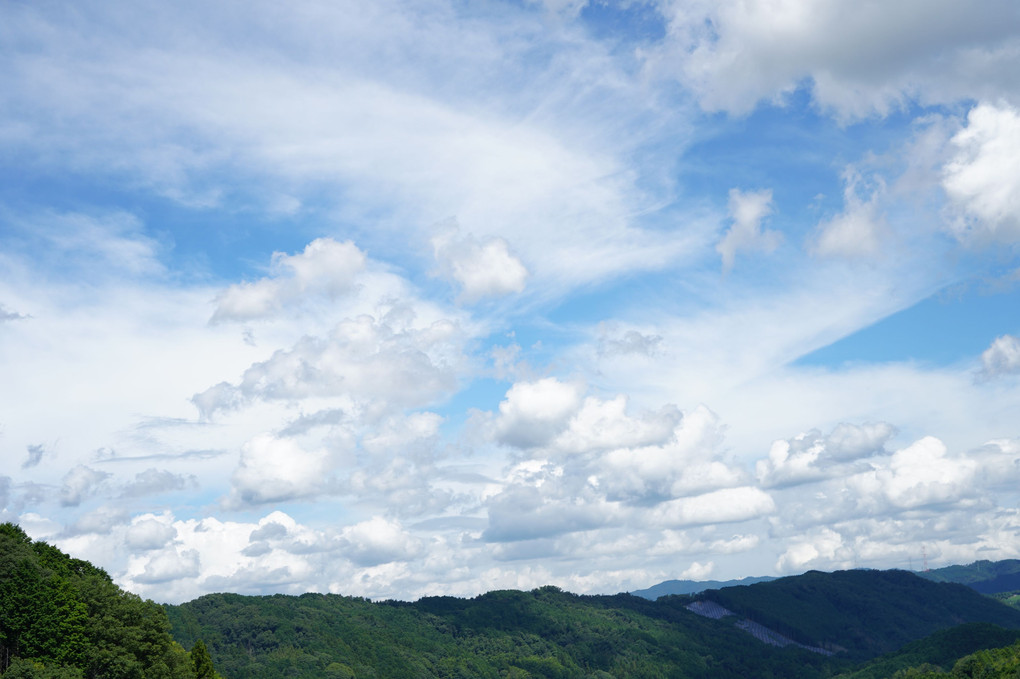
pixel 63 618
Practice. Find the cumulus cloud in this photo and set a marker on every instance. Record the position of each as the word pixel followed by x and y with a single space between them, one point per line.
pixel 736 53
pixel 1002 357
pixel 362 358
pixel 273 469
pixel 149 532
pixel 684 460
pixel 748 210
pixel 100 520
pixel 483 268
pixel 726 505
pixel 608 468
pixel 79 484
pixel 154 481
pixel 601 425
pixel 698 571
pixel 923 474
pixel 170 563
pixel 983 178
pixel 534 412
pixel 822 546
pixel 811 456
pixel 378 541
pixel 530 511
pixel 325 268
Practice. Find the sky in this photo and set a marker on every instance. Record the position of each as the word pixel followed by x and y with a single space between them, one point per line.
pixel 416 297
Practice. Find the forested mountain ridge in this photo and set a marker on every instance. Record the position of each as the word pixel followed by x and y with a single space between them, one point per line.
pixel 63 618
pixel 865 612
pixel 542 633
pixel 987 577
pixel 551 633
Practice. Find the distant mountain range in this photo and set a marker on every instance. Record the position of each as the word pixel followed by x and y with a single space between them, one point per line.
pixel 693 586
pixel 987 577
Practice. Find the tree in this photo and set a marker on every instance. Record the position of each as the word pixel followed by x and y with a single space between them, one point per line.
pixel 201 661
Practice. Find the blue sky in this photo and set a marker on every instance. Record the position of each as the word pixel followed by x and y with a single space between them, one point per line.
pixel 406 298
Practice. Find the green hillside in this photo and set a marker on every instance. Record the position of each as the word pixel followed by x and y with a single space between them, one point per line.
pixel 542 633
pixel 940 650
pixel 63 618
pixel 996 663
pixel 867 613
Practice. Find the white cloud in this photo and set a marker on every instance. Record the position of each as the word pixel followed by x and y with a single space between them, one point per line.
pixel 736 53
pixel 386 132
pixel 821 548
pixel 364 358
pixel 79 484
pixel 683 461
pixel 1002 357
pixel 168 564
pixel 534 412
pixel 325 268
pixel 811 456
pixel 275 469
pixel 378 541
pixel 150 532
pixel 484 268
pixel 153 481
pixel 748 210
pixel 727 505
pixel 605 425
pixel 698 571
pixel 923 474
pixel 857 231
pixel 983 179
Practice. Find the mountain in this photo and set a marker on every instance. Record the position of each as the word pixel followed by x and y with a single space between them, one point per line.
pixel 987 577
pixel 852 616
pixel 542 633
pixel 693 586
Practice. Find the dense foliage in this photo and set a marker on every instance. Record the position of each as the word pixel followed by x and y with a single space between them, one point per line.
pixel 865 613
pixel 940 650
pixel 550 633
pixel 998 663
pixel 542 633
pixel 63 618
